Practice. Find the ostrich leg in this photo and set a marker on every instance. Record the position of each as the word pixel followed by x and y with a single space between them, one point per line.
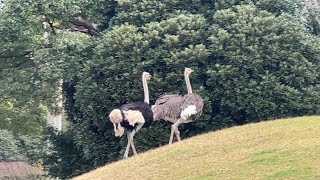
pixel 174 130
pixel 132 145
pixel 130 141
pixel 126 153
pixel 177 132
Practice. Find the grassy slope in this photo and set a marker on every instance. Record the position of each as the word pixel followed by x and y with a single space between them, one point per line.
pixel 282 149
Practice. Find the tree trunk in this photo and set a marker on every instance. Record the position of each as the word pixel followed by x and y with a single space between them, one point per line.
pixel 54 119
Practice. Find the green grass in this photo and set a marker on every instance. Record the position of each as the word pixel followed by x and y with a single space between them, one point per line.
pixel 281 149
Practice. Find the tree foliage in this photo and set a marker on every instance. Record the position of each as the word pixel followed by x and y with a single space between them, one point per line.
pixel 66 159
pixel 9 147
pixel 22 119
pixel 264 68
pixel 26 148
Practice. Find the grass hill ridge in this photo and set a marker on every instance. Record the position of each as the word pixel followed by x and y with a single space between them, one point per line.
pixel 280 149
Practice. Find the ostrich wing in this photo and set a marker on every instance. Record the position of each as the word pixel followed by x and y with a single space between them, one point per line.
pixel 167 106
pixel 142 107
pixel 165 98
pixel 193 99
pixel 134 106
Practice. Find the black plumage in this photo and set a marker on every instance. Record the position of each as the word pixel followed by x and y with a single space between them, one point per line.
pixel 144 108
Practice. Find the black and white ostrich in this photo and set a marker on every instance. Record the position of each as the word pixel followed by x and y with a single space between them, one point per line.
pixel 133 116
pixel 178 109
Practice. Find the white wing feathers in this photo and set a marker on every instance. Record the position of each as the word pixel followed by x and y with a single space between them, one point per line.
pixel 187 112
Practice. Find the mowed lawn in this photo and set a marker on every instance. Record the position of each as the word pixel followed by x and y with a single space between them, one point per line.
pixel 279 149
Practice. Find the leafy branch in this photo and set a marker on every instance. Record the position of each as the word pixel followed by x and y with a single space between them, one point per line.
pixel 6 56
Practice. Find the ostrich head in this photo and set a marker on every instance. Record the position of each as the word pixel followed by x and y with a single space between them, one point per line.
pixel 188 71
pixel 146 76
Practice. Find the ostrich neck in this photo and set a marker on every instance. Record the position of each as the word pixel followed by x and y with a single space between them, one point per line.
pixel 186 77
pixel 145 90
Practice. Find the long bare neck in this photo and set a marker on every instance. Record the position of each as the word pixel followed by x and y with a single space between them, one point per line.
pixel 186 78
pixel 145 90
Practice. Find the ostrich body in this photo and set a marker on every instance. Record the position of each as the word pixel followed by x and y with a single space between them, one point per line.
pixel 133 117
pixel 179 109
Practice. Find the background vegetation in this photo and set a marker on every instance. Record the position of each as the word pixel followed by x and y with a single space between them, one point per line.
pixel 253 59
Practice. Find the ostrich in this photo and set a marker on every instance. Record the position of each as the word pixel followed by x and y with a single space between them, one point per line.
pixel 133 116
pixel 179 109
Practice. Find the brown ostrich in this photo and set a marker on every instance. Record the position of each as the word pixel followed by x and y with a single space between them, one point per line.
pixel 179 109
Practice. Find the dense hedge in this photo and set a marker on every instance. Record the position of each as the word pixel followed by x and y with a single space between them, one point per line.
pixel 253 61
